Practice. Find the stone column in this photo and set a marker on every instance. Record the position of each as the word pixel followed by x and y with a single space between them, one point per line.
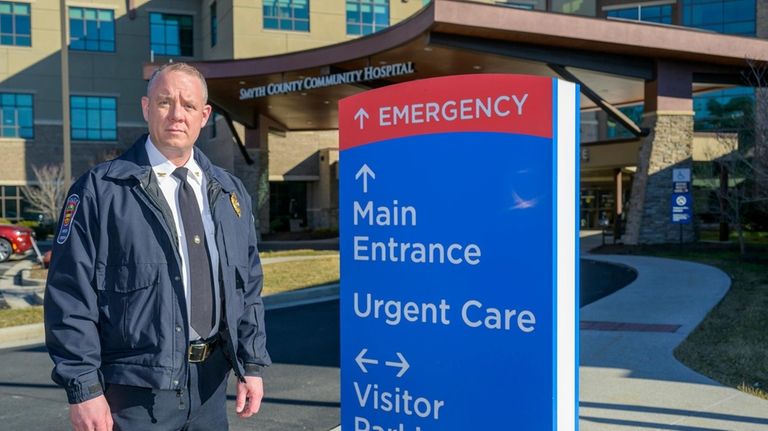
pixel 669 117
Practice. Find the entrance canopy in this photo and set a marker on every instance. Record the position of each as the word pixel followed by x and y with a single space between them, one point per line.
pixel 612 60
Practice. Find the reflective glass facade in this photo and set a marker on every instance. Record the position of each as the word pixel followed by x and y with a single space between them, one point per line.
pixel 91 29
pixel 16 115
pixel 723 110
pixel 615 130
pixel 286 15
pixel 15 24
pixel 657 13
pixel 94 118
pixel 171 34
pixel 13 206
pixel 367 16
pixel 722 16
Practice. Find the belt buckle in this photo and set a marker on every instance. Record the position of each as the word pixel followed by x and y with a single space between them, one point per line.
pixel 198 352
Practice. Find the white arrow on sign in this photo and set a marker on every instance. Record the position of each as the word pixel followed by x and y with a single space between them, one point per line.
pixel 365 172
pixel 362 360
pixel 362 116
pixel 403 364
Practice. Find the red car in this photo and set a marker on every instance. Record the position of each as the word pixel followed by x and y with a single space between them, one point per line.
pixel 14 240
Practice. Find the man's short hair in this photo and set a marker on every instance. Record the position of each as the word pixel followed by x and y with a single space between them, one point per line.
pixel 183 68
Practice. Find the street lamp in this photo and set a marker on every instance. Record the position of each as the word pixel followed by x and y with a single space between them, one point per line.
pixel 65 127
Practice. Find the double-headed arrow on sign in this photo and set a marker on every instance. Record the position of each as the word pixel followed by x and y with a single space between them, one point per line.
pixel 362 361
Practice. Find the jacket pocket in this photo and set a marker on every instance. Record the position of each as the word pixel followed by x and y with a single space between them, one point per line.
pixel 130 306
pixel 127 278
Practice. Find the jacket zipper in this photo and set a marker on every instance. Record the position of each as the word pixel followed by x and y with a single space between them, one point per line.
pixel 175 245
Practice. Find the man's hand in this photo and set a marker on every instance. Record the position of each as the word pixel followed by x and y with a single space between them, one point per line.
pixel 91 415
pixel 249 396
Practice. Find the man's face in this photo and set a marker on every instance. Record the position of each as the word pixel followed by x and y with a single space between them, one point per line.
pixel 175 112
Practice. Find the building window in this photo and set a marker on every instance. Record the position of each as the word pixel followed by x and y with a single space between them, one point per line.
pixel 723 16
pixel 367 16
pixel 171 34
pixel 214 25
pixel 516 5
pixel 91 29
pixel 286 15
pixel 13 206
pixel 657 13
pixel 15 24
pixel 723 110
pixel 614 130
pixel 94 118
pixel 16 115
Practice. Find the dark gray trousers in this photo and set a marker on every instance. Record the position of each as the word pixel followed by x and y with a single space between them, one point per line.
pixel 201 407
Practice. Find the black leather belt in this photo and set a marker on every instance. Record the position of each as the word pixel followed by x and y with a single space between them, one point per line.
pixel 200 350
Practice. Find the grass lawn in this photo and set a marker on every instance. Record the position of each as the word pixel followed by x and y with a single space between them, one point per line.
pixel 300 274
pixel 731 344
pixel 288 253
pixel 751 237
pixel 278 277
pixel 22 316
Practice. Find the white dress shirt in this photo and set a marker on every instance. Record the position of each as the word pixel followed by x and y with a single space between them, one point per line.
pixel 169 185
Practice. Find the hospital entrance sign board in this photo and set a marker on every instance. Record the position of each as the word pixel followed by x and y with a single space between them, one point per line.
pixel 458 236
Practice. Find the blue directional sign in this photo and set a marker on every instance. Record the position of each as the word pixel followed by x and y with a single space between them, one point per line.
pixel 459 303
pixel 681 197
pixel 681 208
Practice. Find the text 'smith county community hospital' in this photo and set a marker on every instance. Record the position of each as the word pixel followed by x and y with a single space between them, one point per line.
pixel 662 83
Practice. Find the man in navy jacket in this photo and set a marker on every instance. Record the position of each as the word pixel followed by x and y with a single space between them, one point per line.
pixel 117 302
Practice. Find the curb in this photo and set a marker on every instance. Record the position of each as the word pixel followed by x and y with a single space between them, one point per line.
pixel 311 295
pixel 23 335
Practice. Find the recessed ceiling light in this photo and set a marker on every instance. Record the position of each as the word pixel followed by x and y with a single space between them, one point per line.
pixel 382 62
pixel 327 102
pixel 476 67
pixel 303 94
pixel 428 48
pixel 242 82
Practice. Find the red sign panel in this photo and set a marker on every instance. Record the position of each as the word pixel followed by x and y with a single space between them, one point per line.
pixel 497 103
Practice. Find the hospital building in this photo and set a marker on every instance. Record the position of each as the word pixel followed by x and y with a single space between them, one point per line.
pixel 664 83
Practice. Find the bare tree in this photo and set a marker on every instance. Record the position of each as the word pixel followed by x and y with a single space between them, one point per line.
pixel 48 195
pixel 741 160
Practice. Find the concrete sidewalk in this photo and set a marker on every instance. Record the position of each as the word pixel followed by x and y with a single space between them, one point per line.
pixel 32 294
pixel 629 378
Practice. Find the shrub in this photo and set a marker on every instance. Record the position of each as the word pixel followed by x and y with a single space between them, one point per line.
pixel 756 216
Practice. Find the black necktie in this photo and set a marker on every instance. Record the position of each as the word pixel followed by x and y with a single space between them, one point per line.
pixel 199 261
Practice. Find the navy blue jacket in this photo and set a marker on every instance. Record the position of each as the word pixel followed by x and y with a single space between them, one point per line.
pixel 115 309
